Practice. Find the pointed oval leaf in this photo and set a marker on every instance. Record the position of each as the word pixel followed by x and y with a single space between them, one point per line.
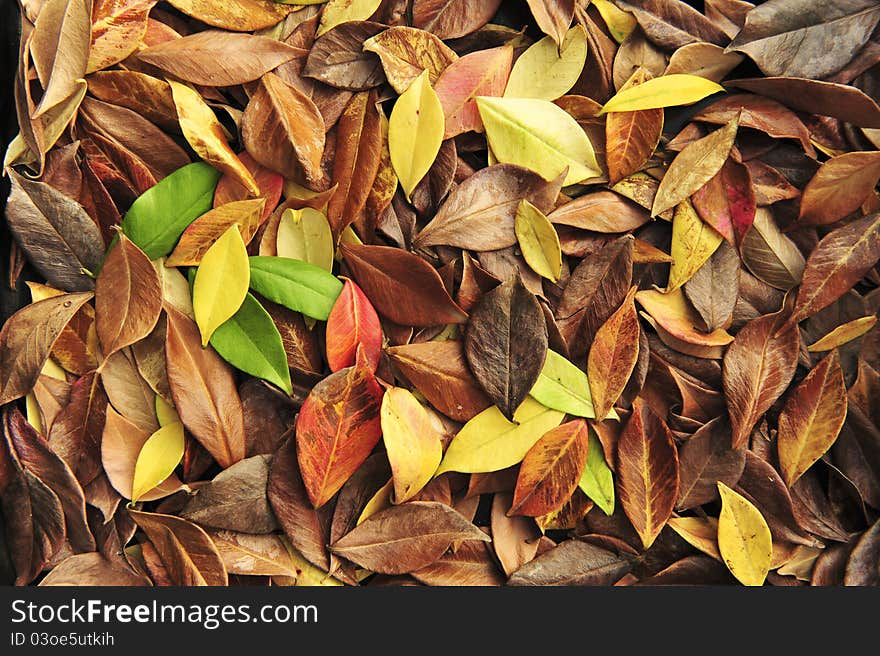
pixel 562 386
pixel 693 242
pixel 297 285
pixel 573 562
pixel 250 342
pixel 673 314
pixel 744 540
pixel 451 19
pixel 597 481
pixel 843 334
pixel 704 459
pixel 336 429
pixel 415 132
pixel 770 254
pixel 406 52
pixel 666 91
pixel 727 202
pixel 631 137
pixel 489 442
pixel 538 135
pixel 506 343
pixel 538 241
pixel 411 441
pixel 353 323
pixel 159 456
pixel 221 283
pixel 337 12
pixel 128 297
pixel 811 418
pixel 305 235
pixel 236 15
pixel 551 470
pixel 613 356
pixel 159 216
pixel 547 70
pixel 210 226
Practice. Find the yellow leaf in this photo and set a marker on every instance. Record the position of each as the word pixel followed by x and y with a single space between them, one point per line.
pixel 412 443
pixel 699 532
pixel 379 501
pixel 205 134
pixel 666 91
pixel 159 455
pixel 221 283
pixel 415 132
pixel 547 71
pixel 743 538
pixel 693 242
pixel 307 574
pixel 305 235
pixel 165 412
pixel 538 241
pixel 538 135
pixel 489 442
pixel 619 23
pixel 337 12
pixel 843 334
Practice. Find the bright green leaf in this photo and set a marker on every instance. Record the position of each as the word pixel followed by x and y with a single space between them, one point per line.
pixel 297 285
pixel 562 386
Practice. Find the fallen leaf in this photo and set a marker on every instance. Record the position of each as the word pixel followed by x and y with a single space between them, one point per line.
pixel 117 27
pixel 843 334
pixel 305 235
pixel 405 52
pixel 713 290
pixel 666 91
pixel 450 19
pixel 538 241
pixel 295 284
pixel 548 70
pixel 235 15
pixel 573 562
pixel 770 254
pixel 221 282
pixel 201 234
pixel 343 11
pixel 693 243
pixel 672 23
pixel 597 481
pixel 743 538
pixel 352 324
pixel 613 356
pixel 158 458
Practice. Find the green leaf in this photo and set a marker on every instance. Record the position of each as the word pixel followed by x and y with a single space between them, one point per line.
pixel 489 442
pixel 250 341
pixel 296 285
pixel 159 455
pixel 666 91
pixel 159 216
pixel 538 135
pixel 596 481
pixel 221 282
pixel 562 386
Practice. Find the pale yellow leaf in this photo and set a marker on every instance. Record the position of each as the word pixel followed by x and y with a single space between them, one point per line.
pixel 337 12
pixel 699 532
pixel 620 23
pixel 538 241
pixel 165 412
pixel 843 334
pixel 305 235
pixel 666 91
pixel 546 71
pixel 379 501
pixel 744 540
pixel 221 284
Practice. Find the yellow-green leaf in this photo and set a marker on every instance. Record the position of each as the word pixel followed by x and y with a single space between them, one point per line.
pixel 538 135
pixel 411 441
pixel 538 241
pixel 165 412
pixel 620 23
pixel 562 386
pixel 489 442
pixel 597 482
pixel 843 334
pixel 547 71
pixel 160 454
pixel 743 538
pixel 693 242
pixel 305 235
pixel 415 132
pixel 666 91
pixel 221 283
pixel 307 574
pixel 337 12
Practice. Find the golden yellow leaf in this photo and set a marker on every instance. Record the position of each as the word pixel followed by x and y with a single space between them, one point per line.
pixel 379 501
pixel 165 412
pixel 221 284
pixel 547 71
pixel 744 540
pixel 699 532
pixel 159 456
pixel 693 242
pixel 666 91
pixel 337 12
pixel 489 442
pixel 205 134
pixel 415 132
pixel 620 23
pixel 538 241
pixel 538 135
pixel 843 334
pixel 411 441
pixel 305 235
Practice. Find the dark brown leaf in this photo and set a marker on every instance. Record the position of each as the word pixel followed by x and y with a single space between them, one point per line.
pixel 573 562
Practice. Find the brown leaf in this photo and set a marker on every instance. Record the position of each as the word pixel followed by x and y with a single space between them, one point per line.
pixel 770 254
pixel 128 391
pixel 471 564
pixel 300 343
pixel 727 202
pixel 128 297
pixel 235 500
pixel 573 562
pixel 553 17
pixel 505 344
pixel 60 239
pixel 337 58
pixel 515 538
pixel 758 367
pixel 204 391
pixel 94 569
pixel 254 555
pixel 406 538
pixel 148 96
pixel 836 264
pixel 27 338
pixel 282 130
pixel 359 142
pixel 631 137
pixel 336 429
pixel 811 418
pixel 600 211
pixel 307 529
pixel 216 58
pixel 839 187
pixel 201 234
pixel 451 19
pixel 672 24
pixel 188 554
pixel 480 213
pixel 117 28
pixel 401 286
pixel 237 15
pixel 714 288
pixel 613 355
pixel 75 434
pixel 861 567
pixel 407 51
pixel 704 459
pixel 551 470
pixel 647 472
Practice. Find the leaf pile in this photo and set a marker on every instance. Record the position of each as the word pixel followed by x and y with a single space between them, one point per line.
pixel 444 293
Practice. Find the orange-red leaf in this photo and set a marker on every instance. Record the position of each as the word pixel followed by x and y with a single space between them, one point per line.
pixel 353 322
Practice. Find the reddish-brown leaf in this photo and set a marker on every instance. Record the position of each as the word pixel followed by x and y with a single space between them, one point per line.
pixel 647 472
pixel 573 562
pixel 839 187
pixel 75 434
pixel 600 211
pixel 353 322
pixel 727 201
pixel 705 459
pixel 450 19
pixel 613 355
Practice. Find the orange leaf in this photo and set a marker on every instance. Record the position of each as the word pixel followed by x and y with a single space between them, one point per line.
pixel 613 355
pixel 353 322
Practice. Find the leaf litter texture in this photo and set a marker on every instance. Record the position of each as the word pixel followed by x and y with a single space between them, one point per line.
pixel 356 295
